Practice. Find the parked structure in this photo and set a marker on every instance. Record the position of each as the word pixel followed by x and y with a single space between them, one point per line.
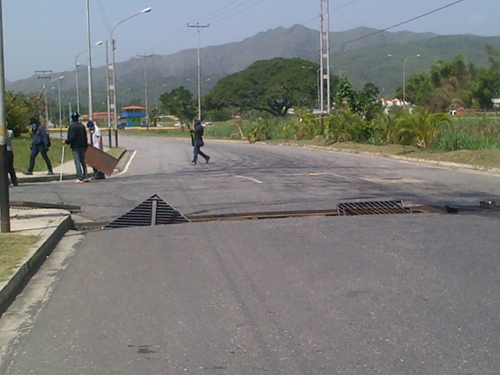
pixel 133 116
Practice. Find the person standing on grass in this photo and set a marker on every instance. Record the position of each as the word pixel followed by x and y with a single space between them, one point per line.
pixel 40 144
pixel 197 141
pixel 96 136
pixel 10 157
pixel 77 139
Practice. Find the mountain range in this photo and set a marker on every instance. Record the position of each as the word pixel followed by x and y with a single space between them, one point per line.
pixel 362 54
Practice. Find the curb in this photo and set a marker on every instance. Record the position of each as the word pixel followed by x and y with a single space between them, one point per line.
pixel 33 261
pixel 447 164
pixel 55 177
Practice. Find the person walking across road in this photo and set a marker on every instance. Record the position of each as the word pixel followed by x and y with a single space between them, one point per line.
pixel 96 137
pixel 77 139
pixel 10 157
pixel 40 144
pixel 197 141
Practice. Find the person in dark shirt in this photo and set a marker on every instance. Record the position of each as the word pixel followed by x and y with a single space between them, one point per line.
pixel 39 144
pixel 77 139
pixel 197 141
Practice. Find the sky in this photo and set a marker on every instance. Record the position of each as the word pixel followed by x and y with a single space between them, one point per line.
pixel 51 34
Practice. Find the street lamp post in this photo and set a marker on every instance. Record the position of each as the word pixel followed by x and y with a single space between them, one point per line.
pixel 199 28
pixel 317 79
pixel 4 185
pixel 404 77
pixel 144 56
pixel 113 47
pixel 124 91
pixel 156 94
pixel 59 96
pixel 77 84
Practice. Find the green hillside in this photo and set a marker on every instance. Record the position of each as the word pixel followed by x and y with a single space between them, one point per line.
pixel 361 59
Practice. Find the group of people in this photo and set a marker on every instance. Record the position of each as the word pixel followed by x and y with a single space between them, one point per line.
pixel 40 144
pixel 77 140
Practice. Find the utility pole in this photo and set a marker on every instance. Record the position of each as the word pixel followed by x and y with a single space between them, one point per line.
pixel 324 50
pixel 108 92
pixel 4 185
pixel 45 74
pixel 144 57
pixel 199 28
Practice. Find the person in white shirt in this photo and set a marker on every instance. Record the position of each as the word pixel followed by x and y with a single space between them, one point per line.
pixel 96 135
pixel 10 157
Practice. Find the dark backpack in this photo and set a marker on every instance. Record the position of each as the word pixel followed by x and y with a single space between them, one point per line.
pixel 49 143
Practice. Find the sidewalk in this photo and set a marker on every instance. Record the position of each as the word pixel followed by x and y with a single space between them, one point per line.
pixel 50 225
pixel 62 172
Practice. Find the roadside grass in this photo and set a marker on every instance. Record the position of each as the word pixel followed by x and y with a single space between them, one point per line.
pixel 22 154
pixel 115 151
pixel 14 247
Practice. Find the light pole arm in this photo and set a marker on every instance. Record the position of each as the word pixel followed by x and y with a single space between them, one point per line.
pixel 147 10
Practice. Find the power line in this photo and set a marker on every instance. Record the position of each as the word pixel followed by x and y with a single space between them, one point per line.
pixel 103 14
pixel 241 11
pixel 402 23
pixel 215 15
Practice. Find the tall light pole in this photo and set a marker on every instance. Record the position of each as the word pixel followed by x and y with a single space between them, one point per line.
pixel 89 63
pixel 124 91
pixel 77 84
pixel 317 78
pixel 144 57
pixel 199 28
pixel 59 95
pixel 4 185
pixel 45 74
pixel 156 94
pixel 324 51
pixel 404 77
pixel 113 87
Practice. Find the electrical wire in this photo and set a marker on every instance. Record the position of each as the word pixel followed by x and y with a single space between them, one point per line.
pixel 228 9
pixel 103 14
pixel 402 23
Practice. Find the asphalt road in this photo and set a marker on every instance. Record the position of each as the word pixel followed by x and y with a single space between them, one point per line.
pixel 392 294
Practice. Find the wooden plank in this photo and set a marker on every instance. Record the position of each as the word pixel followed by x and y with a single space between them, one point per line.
pixel 100 160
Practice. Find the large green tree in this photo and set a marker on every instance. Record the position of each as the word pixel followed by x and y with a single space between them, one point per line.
pixel 273 86
pixel 363 102
pixel 455 84
pixel 20 107
pixel 180 103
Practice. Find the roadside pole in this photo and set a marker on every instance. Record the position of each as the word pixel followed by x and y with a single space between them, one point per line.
pixel 4 184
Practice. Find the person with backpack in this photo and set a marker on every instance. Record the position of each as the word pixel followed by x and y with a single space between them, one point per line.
pixel 197 142
pixel 40 143
pixel 77 139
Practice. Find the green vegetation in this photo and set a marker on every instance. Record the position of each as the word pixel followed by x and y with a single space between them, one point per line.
pixel 273 86
pixel 456 85
pixel 22 154
pixel 180 103
pixel 13 248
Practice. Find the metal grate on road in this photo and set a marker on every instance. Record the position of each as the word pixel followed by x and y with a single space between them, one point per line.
pixel 372 208
pixel 153 211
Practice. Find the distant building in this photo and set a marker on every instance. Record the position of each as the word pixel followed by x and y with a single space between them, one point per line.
pixel 133 115
pixel 496 102
pixel 389 104
pixel 100 118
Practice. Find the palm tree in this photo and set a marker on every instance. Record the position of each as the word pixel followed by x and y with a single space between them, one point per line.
pixel 421 126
